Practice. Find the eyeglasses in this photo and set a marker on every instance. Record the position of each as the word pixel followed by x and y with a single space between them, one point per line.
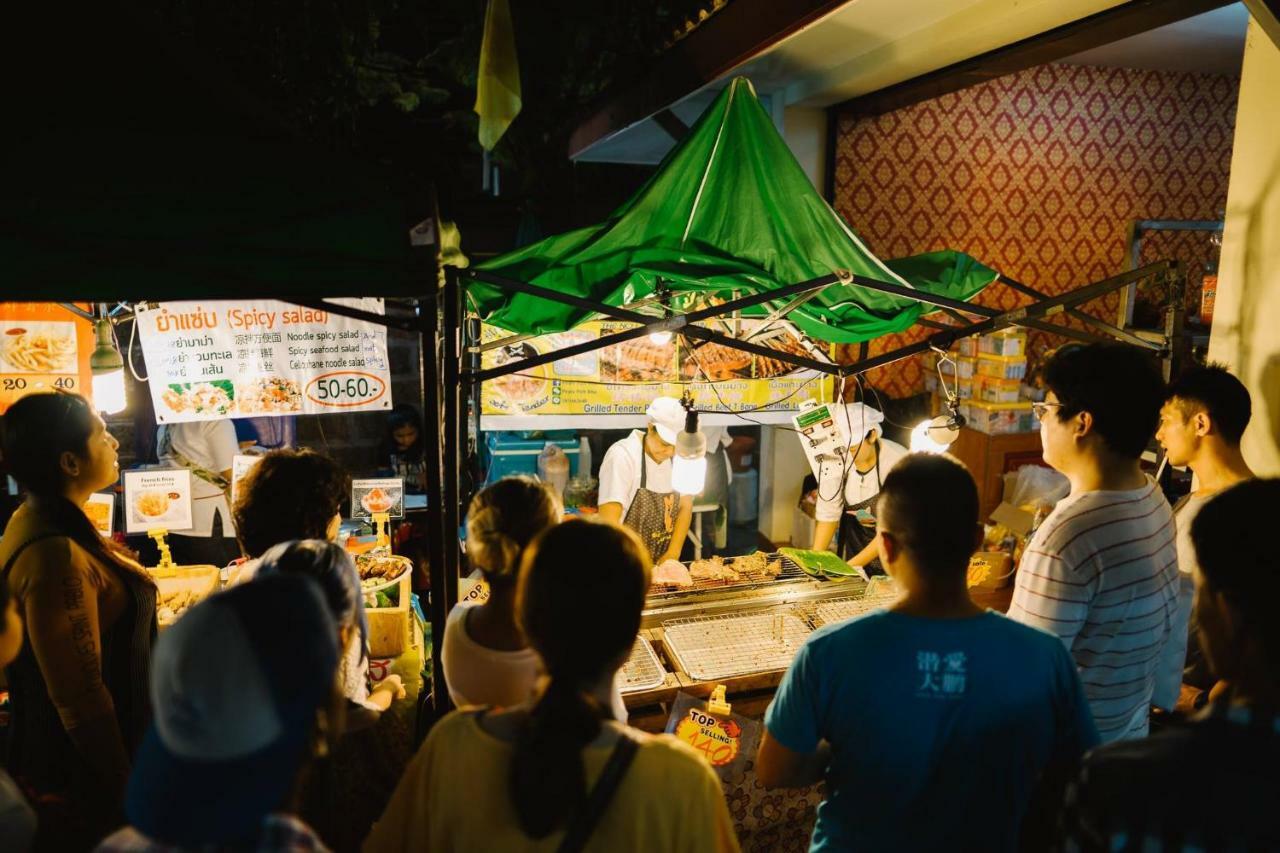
pixel 1041 409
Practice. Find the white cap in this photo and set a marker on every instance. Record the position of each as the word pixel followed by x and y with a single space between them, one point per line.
pixel 858 419
pixel 667 415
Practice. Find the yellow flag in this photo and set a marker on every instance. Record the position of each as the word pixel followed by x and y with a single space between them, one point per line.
pixel 498 86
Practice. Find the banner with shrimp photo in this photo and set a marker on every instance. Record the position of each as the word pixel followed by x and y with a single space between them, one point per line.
pixel 43 347
pixel 262 358
pixel 612 387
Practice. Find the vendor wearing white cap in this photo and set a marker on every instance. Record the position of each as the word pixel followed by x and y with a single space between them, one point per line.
pixel 635 483
pixel 848 485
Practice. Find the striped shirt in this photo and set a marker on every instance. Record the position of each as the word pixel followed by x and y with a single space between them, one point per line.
pixel 1102 574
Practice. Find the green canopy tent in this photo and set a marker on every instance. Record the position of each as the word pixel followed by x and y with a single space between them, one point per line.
pixel 729 210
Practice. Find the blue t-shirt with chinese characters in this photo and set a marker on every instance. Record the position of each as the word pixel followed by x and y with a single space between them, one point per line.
pixel 939 728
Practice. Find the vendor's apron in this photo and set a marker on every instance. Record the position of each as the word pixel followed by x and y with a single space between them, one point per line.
pixel 652 515
pixel 854 535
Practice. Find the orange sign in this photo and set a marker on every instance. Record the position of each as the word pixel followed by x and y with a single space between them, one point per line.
pixel 719 740
pixel 43 347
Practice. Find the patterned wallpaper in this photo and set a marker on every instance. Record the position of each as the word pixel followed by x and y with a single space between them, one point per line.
pixel 1039 174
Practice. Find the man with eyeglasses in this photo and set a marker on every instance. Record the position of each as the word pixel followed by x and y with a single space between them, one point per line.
pixel 1101 572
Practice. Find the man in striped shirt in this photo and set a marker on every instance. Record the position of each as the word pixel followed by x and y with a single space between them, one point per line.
pixel 1101 572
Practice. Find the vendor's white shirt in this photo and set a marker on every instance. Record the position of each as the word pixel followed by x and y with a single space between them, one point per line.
pixel 832 499
pixel 478 675
pixel 620 472
pixel 211 445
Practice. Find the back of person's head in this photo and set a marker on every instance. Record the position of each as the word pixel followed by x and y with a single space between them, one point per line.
pixel 36 435
pixel 503 519
pixel 1235 550
pixel 288 495
pixel 582 588
pixel 241 687
pixel 331 567
pixel 1118 385
pixel 1213 390
pixel 929 504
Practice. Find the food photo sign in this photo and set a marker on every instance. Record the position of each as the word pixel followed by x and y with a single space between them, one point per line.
pixel 379 494
pixel 101 510
pixel 602 387
pixel 157 499
pixel 43 347
pixel 211 360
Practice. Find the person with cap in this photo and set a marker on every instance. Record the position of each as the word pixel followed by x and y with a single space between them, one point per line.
pixel 234 733
pixel 849 483
pixel 635 483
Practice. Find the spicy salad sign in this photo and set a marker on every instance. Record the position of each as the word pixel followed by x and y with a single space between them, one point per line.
pixel 211 360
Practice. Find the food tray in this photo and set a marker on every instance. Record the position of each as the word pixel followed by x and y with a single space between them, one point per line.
pixel 191 584
pixel 406 565
pixel 642 670
pixel 710 648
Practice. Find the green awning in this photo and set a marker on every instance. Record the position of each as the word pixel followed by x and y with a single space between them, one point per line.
pixel 728 209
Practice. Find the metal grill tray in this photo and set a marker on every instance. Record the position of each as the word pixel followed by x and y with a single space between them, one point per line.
pixel 709 648
pixel 877 594
pixel 642 670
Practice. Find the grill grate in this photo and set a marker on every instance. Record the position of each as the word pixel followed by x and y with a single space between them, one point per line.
pixel 714 647
pixel 642 670
pixel 790 571
pixel 880 592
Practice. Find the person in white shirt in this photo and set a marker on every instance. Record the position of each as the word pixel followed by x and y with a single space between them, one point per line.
pixel 1203 419
pixel 1101 571
pixel 848 484
pixel 206 448
pixel 635 483
pixel 486 658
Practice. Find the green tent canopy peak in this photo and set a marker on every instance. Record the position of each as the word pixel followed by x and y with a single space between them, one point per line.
pixel 728 211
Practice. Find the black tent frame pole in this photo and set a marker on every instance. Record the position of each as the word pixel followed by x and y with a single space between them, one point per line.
pixel 1030 316
pixel 429 364
pixel 451 447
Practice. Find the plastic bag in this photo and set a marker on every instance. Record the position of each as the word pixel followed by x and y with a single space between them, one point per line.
pixel 1035 486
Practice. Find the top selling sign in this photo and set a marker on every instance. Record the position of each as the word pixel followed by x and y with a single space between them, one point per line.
pixel 211 360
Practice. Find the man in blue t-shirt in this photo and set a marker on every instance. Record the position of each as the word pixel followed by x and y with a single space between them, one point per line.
pixel 934 723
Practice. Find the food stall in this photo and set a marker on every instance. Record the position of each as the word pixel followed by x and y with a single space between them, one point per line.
pixel 581 328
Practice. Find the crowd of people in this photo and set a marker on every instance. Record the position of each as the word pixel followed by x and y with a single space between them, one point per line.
pixel 934 724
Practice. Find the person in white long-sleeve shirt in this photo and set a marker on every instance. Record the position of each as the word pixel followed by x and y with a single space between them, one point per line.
pixel 1101 572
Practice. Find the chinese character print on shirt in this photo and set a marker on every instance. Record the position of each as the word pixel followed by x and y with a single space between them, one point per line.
pixel 941 676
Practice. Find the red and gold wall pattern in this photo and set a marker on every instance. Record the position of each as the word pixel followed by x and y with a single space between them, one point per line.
pixel 1039 174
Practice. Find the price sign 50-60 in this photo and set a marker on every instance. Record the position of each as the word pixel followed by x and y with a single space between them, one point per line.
pixel 345 389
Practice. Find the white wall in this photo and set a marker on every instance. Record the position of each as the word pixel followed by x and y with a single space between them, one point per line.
pixel 1246 322
pixel 805 130
pixel 783 467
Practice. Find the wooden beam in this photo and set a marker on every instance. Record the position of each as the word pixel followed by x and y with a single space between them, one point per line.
pixel 1120 22
pixel 1267 14
pixel 741 30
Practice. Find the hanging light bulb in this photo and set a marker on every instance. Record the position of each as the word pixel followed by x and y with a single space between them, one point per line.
pixel 107 367
pixel 936 435
pixel 660 338
pixel 689 467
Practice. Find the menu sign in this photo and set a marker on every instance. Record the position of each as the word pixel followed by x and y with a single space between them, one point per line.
pixel 101 510
pixel 240 465
pixel 43 347
pixel 157 499
pixel 596 388
pixel 379 494
pixel 210 360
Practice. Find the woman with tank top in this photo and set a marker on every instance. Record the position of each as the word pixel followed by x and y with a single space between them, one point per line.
pixel 79 686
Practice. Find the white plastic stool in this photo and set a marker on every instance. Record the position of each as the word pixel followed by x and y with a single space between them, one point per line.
pixel 695 527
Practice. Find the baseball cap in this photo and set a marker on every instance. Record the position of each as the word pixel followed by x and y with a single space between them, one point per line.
pixel 235 686
pixel 859 419
pixel 667 416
